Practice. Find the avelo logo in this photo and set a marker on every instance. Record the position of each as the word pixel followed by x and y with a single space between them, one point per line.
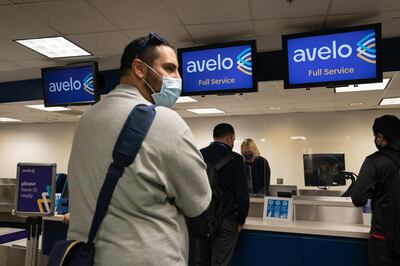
pixel 71 85
pixel 323 53
pixel 243 61
pixel 88 84
pixel 366 48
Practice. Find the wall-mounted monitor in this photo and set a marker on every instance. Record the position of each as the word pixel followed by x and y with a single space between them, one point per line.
pixel 331 58
pixel 218 69
pixel 323 170
pixel 70 85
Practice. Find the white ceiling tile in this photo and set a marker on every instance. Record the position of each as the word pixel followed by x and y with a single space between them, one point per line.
pixel 288 26
pixel 40 63
pixel 109 62
pixel 211 11
pixel 177 35
pixel 361 6
pixel 283 9
pixel 101 43
pixel 29 1
pixel 10 50
pixel 136 14
pixel 7 66
pixel 15 24
pixel 269 43
pixel 70 16
pixel 390 21
pixel 222 32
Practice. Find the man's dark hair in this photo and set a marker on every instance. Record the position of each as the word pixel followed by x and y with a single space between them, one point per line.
pixel 148 55
pixel 223 130
pixel 388 126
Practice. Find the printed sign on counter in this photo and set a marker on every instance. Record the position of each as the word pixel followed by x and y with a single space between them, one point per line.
pixel 35 187
pixel 279 209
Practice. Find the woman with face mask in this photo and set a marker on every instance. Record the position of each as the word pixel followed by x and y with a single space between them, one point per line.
pixel 258 170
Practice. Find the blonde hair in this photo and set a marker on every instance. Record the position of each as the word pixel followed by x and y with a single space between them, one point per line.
pixel 251 145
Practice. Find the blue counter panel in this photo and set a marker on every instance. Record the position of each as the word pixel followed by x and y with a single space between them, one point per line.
pixel 281 249
pixel 260 248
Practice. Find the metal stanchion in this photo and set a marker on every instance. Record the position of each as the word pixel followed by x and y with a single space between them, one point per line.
pixel 32 244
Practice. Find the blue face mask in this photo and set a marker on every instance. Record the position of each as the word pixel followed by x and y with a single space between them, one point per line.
pixel 170 90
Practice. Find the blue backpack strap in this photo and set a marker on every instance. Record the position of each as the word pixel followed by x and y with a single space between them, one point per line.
pixel 125 150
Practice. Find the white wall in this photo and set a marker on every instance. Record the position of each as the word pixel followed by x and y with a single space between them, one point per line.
pixel 348 132
pixel 35 143
pixel 330 132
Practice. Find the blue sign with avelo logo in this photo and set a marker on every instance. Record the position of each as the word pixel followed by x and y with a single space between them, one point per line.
pixel 218 68
pixel 69 85
pixel 342 57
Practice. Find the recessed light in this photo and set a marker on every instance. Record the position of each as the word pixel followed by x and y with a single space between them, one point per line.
pixel 365 87
pixel 7 119
pixel 355 104
pixel 298 138
pixel 54 47
pixel 186 99
pixel 275 108
pixel 51 119
pixel 49 109
pixel 262 140
pixel 390 101
pixel 206 111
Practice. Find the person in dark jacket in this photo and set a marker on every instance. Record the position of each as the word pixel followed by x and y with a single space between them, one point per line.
pixel 258 170
pixel 373 183
pixel 233 185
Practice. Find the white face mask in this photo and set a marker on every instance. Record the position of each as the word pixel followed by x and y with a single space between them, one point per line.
pixel 170 90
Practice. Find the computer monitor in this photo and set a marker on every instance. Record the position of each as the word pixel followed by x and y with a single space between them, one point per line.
pixel 323 169
pixel 284 191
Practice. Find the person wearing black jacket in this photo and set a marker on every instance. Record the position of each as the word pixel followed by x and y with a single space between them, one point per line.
pixel 258 170
pixel 374 182
pixel 233 185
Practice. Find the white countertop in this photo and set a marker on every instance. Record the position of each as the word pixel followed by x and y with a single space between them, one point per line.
pixel 309 228
pixel 296 227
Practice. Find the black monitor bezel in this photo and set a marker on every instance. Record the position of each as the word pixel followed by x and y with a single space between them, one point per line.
pixel 378 40
pixel 253 45
pixel 95 70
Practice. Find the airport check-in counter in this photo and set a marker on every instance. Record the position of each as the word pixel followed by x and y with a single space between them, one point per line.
pixel 326 230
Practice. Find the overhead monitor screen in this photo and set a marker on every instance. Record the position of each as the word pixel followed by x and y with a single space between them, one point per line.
pixel 70 85
pixel 218 69
pixel 338 57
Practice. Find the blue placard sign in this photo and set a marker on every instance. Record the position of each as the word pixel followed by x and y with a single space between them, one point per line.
pixel 346 57
pixel 35 184
pixel 227 68
pixel 276 208
pixel 69 85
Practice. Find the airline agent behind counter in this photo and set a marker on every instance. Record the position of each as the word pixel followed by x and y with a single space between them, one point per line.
pixel 258 170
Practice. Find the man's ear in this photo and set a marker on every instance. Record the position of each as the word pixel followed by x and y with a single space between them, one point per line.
pixel 137 69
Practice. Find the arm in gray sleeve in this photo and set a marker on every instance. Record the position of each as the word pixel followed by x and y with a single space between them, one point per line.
pixel 364 185
pixel 187 180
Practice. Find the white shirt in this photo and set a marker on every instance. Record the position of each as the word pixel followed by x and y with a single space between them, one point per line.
pixel 141 226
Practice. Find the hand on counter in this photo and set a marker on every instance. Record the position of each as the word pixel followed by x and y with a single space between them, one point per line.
pixel 240 227
pixel 66 218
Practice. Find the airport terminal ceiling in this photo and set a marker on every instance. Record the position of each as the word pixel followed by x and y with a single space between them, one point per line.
pixel 104 27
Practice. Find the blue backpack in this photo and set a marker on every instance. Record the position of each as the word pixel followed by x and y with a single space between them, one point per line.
pixel 73 252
